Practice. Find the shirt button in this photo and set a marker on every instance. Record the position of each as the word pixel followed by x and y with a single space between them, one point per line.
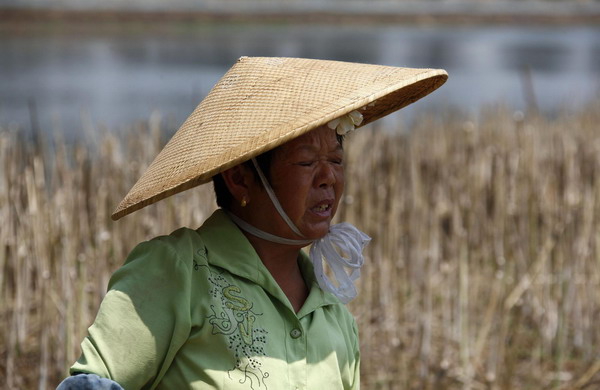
pixel 295 333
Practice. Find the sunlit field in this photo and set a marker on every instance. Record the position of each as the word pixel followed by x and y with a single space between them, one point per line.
pixel 483 271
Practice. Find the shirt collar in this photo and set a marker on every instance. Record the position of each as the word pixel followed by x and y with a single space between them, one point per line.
pixel 228 248
pixel 316 297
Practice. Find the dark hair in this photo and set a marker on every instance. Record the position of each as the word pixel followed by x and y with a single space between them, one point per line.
pixel 224 197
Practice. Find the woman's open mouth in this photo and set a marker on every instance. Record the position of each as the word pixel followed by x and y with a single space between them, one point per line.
pixel 323 209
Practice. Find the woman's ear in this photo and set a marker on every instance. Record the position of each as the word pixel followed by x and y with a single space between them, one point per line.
pixel 238 180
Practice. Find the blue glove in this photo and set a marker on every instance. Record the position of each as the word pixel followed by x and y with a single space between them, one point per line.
pixel 88 382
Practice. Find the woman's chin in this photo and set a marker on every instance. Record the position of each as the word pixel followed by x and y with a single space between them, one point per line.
pixel 317 231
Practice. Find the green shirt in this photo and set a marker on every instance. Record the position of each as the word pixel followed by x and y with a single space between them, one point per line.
pixel 199 310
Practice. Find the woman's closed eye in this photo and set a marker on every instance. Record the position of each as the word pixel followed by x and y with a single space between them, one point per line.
pixel 336 161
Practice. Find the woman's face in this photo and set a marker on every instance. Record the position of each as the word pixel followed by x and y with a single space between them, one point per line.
pixel 307 175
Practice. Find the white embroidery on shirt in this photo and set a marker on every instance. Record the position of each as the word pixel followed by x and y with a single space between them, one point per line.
pixel 232 316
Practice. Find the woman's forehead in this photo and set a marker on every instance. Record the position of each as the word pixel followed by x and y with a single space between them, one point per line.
pixel 316 139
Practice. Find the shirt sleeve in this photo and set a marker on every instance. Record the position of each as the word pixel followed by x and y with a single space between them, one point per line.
pixel 142 321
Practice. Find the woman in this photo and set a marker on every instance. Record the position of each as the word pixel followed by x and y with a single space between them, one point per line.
pixel 236 304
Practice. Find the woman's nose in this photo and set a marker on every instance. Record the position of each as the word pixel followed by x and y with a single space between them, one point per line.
pixel 326 176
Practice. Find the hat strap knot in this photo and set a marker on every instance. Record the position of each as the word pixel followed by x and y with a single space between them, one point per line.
pixel 341 249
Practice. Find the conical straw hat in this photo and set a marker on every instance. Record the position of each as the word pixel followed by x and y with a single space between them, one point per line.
pixel 261 103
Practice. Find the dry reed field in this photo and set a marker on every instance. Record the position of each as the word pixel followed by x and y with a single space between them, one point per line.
pixel 483 272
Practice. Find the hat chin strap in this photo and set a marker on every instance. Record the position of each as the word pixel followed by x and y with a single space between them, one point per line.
pixel 276 203
pixel 264 235
pixel 341 248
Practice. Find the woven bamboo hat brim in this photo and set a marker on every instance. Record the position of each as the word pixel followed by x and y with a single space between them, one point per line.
pixel 261 103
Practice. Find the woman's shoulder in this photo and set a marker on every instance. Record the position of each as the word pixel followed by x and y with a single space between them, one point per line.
pixel 343 314
pixel 181 246
pixel 183 241
pixel 188 244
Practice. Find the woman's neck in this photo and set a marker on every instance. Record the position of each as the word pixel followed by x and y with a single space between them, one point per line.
pixel 282 262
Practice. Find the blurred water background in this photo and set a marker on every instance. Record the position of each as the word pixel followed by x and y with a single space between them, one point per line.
pixel 66 73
